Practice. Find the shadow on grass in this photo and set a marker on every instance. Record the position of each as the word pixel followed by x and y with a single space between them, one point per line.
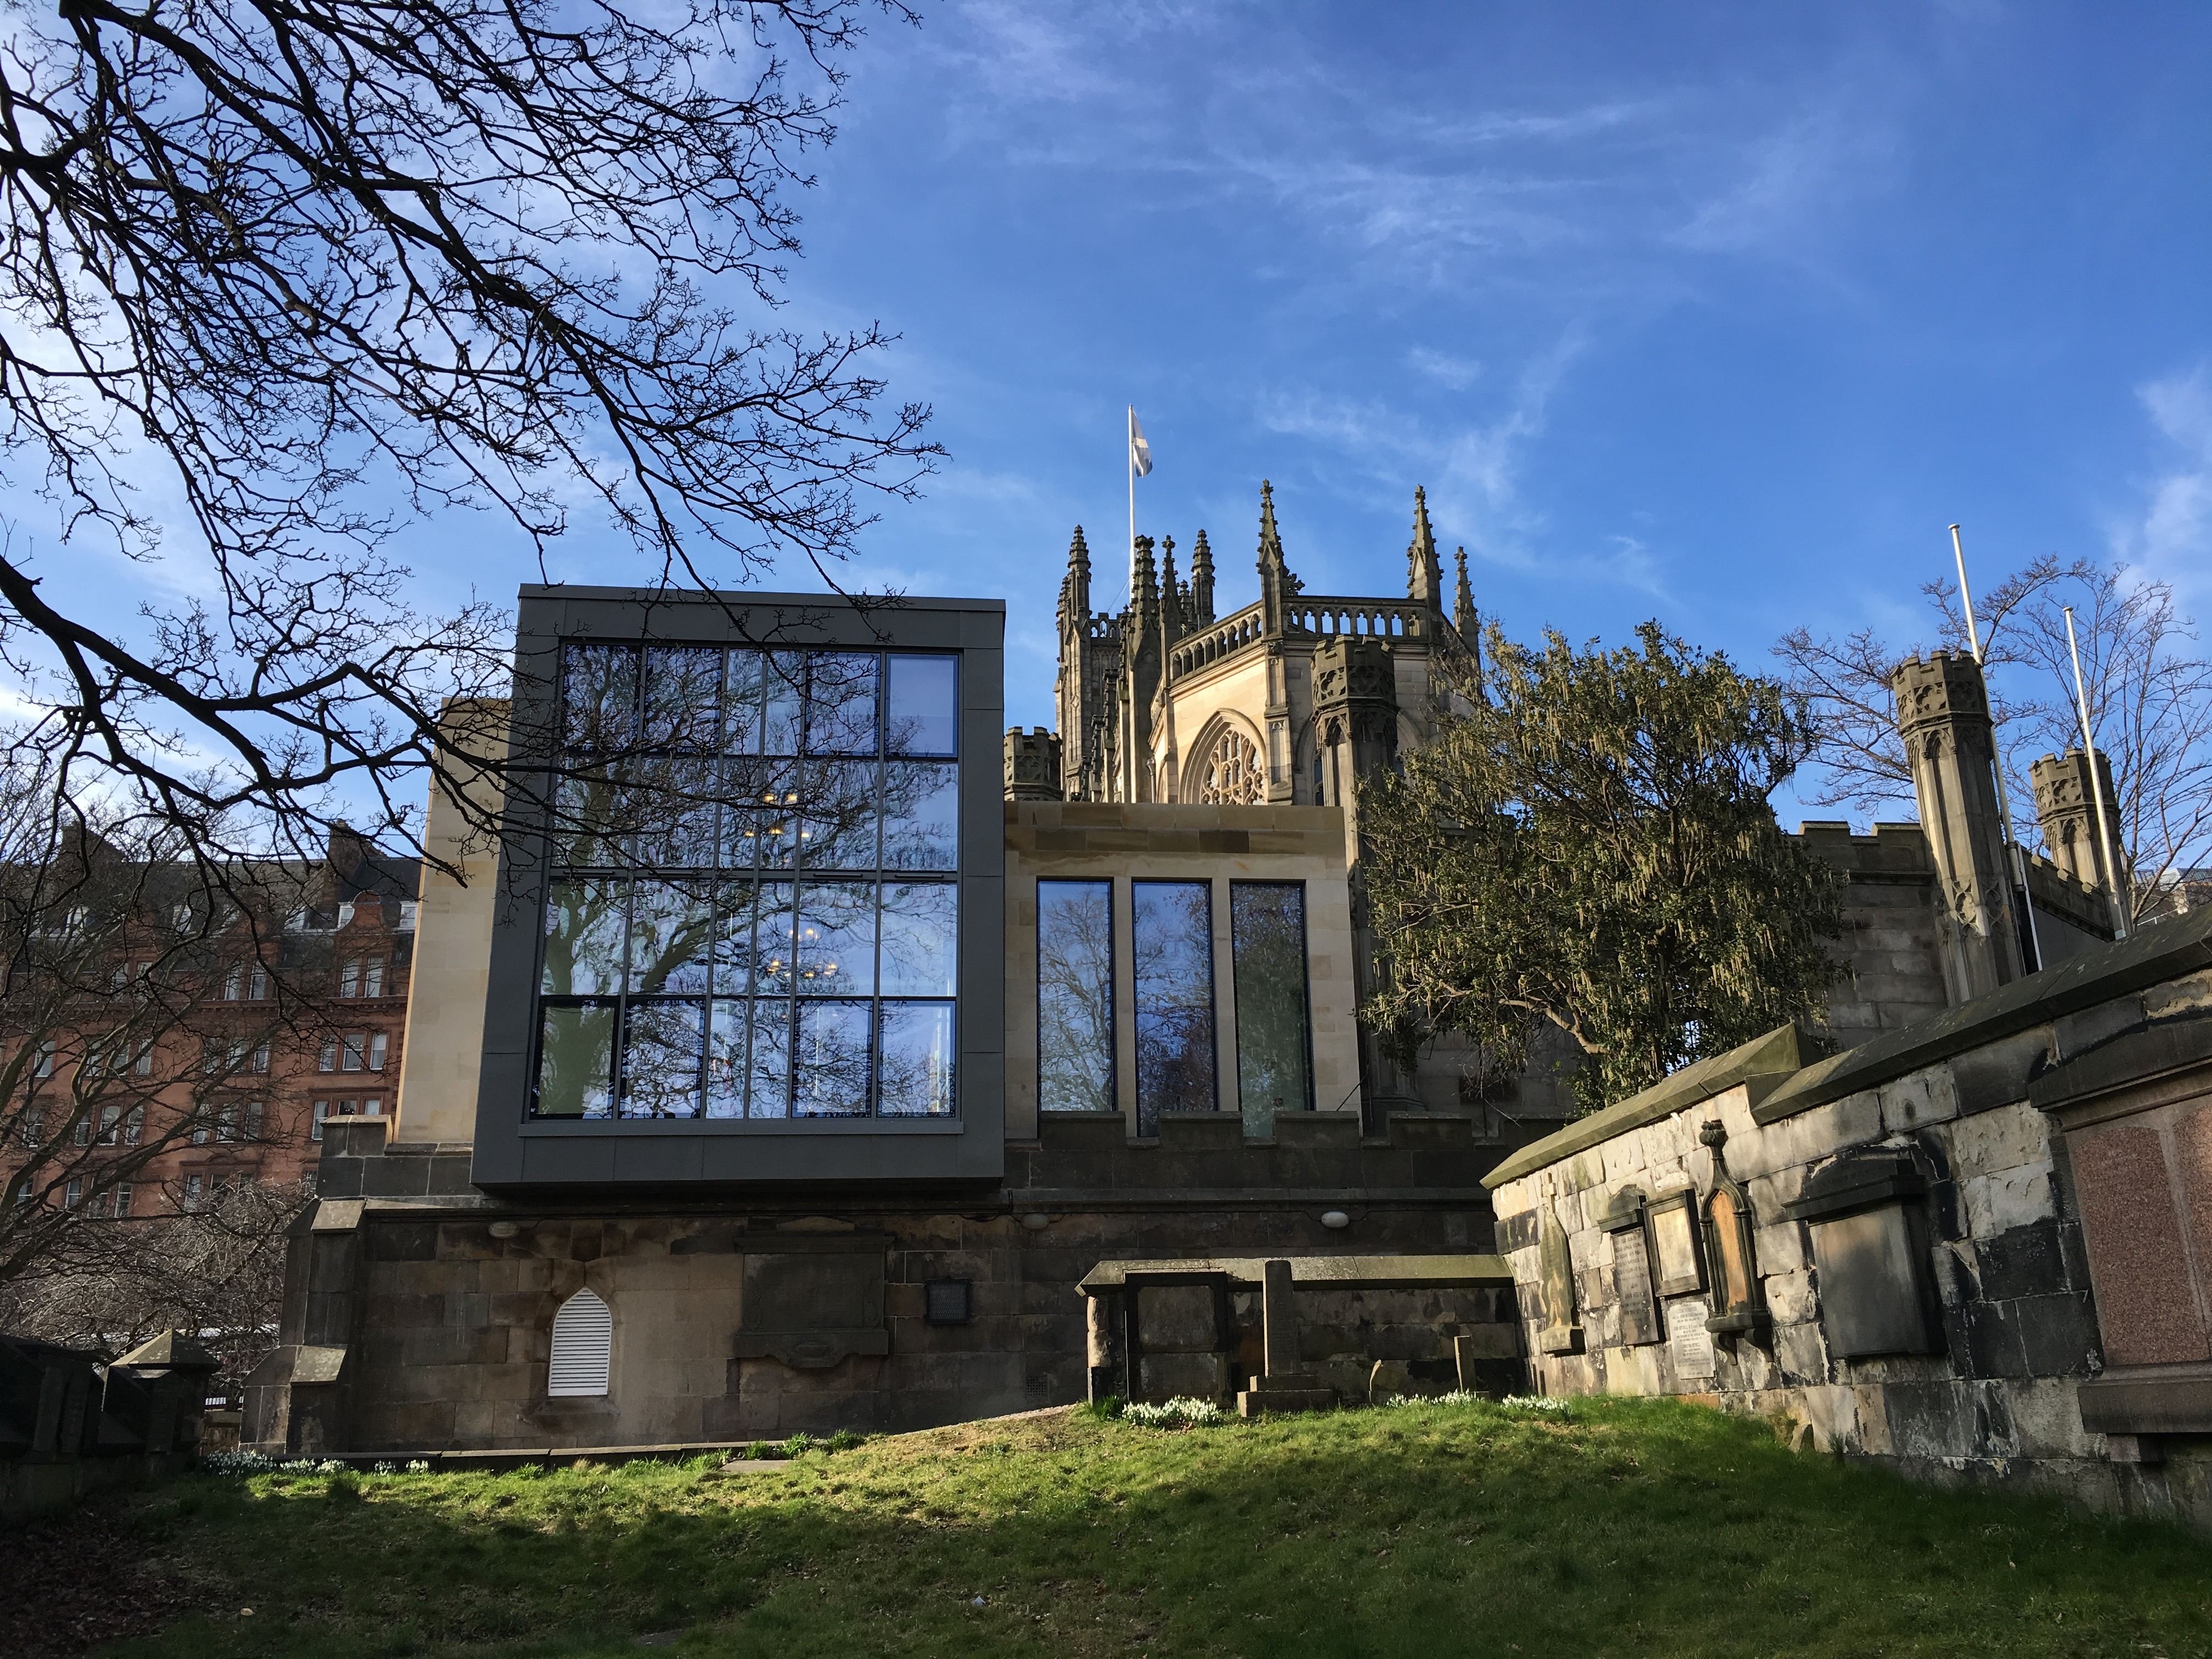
pixel 1636 1527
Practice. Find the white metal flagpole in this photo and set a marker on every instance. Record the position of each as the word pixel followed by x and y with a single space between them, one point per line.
pixel 1129 443
pixel 2096 784
pixel 1996 753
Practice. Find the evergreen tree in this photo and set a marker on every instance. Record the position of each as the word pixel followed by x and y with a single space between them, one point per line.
pixel 1588 841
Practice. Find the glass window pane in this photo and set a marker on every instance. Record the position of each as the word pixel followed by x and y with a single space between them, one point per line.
pixel 598 696
pixel 741 704
pixel 734 939
pixel 1075 994
pixel 670 804
pixel 920 939
pixel 916 1073
pixel 671 935
pixel 923 713
pixel 839 802
pixel 729 1021
pixel 836 938
pixel 768 1071
pixel 575 1060
pixel 840 702
pixel 1275 1045
pixel 829 1073
pixel 584 926
pixel 660 1058
pixel 921 816
pixel 772 938
pixel 778 825
pixel 1174 941
pixel 683 698
pixel 784 676
pixel 589 828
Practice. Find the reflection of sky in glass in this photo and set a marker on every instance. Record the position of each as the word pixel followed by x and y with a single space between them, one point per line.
pixel 1174 975
pixel 837 939
pixel 923 715
pixel 755 763
pixel 729 1019
pixel 682 699
pixel 660 1058
pixel 1268 952
pixel 920 939
pixel 671 937
pixel 917 1060
pixel 921 816
pixel 1075 995
pixel 841 703
pixel 584 927
pixel 830 1071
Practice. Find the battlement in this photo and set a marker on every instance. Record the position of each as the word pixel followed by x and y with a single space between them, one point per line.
pixel 1943 686
pixel 1032 764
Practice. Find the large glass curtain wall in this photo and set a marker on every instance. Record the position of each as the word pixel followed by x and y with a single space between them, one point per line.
pixel 753 907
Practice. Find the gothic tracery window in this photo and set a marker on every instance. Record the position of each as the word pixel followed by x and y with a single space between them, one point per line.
pixel 1231 777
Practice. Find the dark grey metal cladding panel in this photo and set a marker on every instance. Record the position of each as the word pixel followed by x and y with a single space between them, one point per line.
pixel 976 627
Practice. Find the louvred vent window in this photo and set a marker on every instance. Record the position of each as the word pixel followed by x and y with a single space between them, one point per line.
pixel 583 1342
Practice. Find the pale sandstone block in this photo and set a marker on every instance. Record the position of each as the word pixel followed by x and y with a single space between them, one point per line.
pixel 2004 1138
pixel 2012 1198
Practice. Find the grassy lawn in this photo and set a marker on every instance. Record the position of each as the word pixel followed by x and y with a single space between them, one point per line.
pixel 1629 1528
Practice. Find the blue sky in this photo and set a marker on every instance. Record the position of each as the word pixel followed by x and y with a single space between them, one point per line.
pixel 1715 314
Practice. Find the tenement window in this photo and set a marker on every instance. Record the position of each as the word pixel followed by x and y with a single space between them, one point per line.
pixel 1075 996
pixel 1174 970
pixel 1274 1041
pixel 753 907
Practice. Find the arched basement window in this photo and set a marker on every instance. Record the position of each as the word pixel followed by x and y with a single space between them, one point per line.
pixel 583 1339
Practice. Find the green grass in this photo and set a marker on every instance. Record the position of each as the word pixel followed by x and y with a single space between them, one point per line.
pixel 1438 1531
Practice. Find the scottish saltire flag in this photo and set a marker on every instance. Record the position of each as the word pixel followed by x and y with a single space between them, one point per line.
pixel 1140 453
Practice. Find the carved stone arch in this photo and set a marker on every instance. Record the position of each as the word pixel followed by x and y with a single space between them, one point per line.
pixel 1228 764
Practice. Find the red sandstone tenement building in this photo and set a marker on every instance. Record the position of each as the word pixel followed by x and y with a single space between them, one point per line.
pixel 301 1017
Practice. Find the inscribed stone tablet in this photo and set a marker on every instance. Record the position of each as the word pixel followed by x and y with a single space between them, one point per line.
pixel 1632 1277
pixel 1673 1240
pixel 1688 1338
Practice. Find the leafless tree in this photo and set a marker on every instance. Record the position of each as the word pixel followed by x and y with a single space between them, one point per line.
pixel 320 268
pixel 2150 706
pixel 214 1266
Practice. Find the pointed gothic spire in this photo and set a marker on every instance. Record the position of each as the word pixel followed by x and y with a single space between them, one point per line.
pixel 1075 586
pixel 1147 584
pixel 1466 620
pixel 1277 586
pixel 1201 582
pixel 1271 541
pixel 1173 624
pixel 1425 576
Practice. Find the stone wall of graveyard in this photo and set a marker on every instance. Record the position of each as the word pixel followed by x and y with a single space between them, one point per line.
pixel 1932 1128
pixel 421 1307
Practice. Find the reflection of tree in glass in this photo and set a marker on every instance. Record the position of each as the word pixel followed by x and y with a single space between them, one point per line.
pixel 836 803
pixel 1075 996
pixel 841 703
pixel 660 1058
pixel 830 1070
pixel 584 926
pixel 575 1066
pixel 599 697
pixel 837 939
pixel 671 937
pixel 682 711
pixel 1174 975
pixel 917 1060
pixel 1267 948
pixel 921 815
pixel 920 939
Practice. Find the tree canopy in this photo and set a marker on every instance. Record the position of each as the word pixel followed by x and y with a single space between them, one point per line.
pixel 1587 840
pixel 279 277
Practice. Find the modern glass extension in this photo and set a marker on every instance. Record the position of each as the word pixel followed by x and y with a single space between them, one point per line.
pixel 753 909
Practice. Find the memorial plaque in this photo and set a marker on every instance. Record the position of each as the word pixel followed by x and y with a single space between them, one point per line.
pixel 1632 1277
pixel 1691 1344
pixel 1674 1225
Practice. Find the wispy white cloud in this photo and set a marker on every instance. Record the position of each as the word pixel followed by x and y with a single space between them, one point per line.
pixel 2173 540
pixel 1457 372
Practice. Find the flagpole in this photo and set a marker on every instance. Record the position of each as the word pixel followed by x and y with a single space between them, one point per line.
pixel 1996 753
pixel 1129 443
pixel 2097 785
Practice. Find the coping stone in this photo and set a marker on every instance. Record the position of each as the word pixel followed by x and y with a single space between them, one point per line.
pixel 2164 951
